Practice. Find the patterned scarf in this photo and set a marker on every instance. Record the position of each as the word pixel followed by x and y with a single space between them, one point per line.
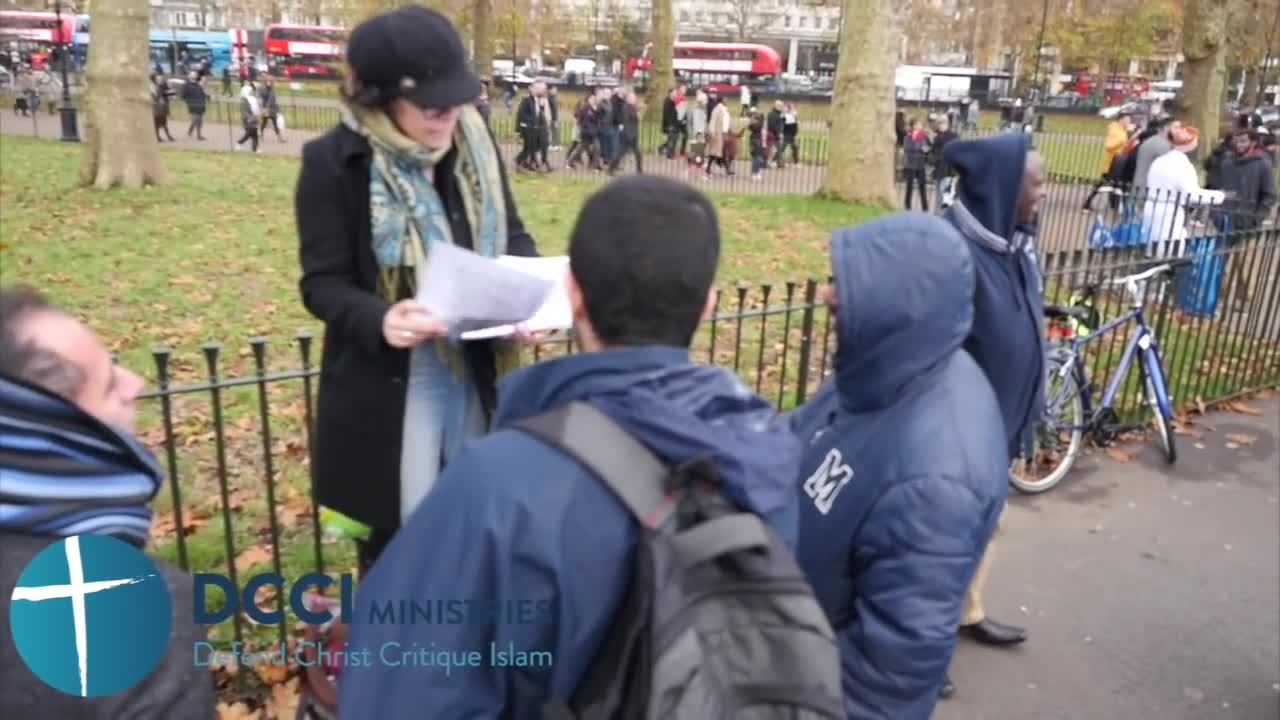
pixel 408 217
pixel 64 473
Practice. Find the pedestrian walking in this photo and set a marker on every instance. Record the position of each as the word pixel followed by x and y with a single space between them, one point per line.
pixel 915 153
pixel 790 135
pixel 270 108
pixel 196 99
pixel 719 125
pixel 160 94
pixel 250 117
pixel 775 126
pixel 630 134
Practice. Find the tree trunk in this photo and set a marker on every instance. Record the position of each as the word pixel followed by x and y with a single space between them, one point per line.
pixel 1204 29
pixel 1252 87
pixel 860 168
pixel 482 27
pixel 660 72
pixel 119 145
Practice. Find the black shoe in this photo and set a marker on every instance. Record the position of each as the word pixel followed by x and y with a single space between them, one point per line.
pixel 990 632
pixel 948 688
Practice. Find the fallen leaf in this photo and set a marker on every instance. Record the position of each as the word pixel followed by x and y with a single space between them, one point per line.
pixel 238 497
pixel 225 663
pixel 164 525
pixel 1200 446
pixel 1200 408
pixel 255 555
pixel 235 711
pixel 1241 408
pixel 1193 693
pixel 1240 439
pixel 272 674
pixel 1232 446
pixel 285 697
pixel 1119 455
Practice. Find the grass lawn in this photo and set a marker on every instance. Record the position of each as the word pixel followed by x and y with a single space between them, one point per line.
pixel 213 254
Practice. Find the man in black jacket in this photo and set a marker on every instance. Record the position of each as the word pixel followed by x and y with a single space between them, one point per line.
pixel 532 120
pixel 629 120
pixel 773 138
pixel 1248 175
pixel 670 122
pixel 67 414
pixel 194 96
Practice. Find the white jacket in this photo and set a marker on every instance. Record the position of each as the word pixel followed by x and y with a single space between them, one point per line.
pixel 1172 185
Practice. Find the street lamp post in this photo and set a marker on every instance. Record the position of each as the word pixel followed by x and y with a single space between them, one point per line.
pixel 1044 20
pixel 70 132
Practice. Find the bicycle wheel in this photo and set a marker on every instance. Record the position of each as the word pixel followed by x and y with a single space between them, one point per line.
pixel 1057 437
pixel 1164 431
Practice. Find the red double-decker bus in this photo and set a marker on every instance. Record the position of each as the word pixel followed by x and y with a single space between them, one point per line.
pixel 723 67
pixel 305 50
pixel 38 28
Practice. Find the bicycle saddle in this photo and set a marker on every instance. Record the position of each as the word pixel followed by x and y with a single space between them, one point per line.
pixel 1067 311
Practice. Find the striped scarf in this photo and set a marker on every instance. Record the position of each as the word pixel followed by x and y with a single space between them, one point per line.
pixel 65 473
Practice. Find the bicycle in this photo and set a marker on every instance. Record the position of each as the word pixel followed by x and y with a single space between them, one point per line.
pixel 1069 414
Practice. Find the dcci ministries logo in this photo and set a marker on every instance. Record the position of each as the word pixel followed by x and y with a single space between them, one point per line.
pixel 90 615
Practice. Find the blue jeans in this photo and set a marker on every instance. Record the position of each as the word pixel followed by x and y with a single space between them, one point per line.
pixel 440 413
pixel 609 145
pixel 757 162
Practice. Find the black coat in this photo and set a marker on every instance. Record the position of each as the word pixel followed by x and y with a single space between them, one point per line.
pixel 360 409
pixel 1252 179
pixel 194 96
pixel 670 118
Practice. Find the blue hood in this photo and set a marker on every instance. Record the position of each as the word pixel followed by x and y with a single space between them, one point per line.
pixel 678 409
pixel 990 171
pixel 905 291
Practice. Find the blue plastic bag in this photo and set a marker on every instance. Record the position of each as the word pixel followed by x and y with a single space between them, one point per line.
pixel 1198 289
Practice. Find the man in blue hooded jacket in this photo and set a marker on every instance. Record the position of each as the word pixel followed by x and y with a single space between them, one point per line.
pixel 518 526
pixel 1002 185
pixel 901 477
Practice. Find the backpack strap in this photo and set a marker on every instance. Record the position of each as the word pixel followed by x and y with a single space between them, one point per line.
pixel 634 474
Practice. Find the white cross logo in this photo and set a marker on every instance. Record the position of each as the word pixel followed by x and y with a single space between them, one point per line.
pixel 77 591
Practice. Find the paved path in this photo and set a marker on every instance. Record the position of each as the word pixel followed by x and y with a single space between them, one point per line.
pixel 1149 591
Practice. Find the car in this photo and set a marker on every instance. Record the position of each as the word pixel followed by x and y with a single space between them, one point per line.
pixel 1136 107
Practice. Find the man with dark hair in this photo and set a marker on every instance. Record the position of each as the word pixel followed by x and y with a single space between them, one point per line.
pixel 1153 143
pixel 1001 188
pixel 516 522
pixel 66 418
pixel 1246 173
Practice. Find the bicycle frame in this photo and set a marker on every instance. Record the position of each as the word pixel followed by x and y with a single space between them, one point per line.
pixel 1143 341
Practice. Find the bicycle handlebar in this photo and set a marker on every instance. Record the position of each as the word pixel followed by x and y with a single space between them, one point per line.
pixel 1165 268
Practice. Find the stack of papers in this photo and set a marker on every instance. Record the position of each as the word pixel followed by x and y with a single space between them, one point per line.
pixel 484 298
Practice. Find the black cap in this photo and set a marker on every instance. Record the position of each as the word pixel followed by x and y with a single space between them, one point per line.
pixel 414 53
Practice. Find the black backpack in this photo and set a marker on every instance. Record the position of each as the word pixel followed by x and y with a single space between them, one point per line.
pixel 719 622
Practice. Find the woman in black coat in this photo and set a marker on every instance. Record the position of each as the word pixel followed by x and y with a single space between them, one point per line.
pixel 397 397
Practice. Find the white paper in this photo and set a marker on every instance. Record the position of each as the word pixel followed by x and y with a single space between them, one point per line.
pixel 554 313
pixel 471 292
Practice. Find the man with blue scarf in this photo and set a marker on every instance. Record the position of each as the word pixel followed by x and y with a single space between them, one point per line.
pixel 1002 185
pixel 70 466
pixel 518 525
